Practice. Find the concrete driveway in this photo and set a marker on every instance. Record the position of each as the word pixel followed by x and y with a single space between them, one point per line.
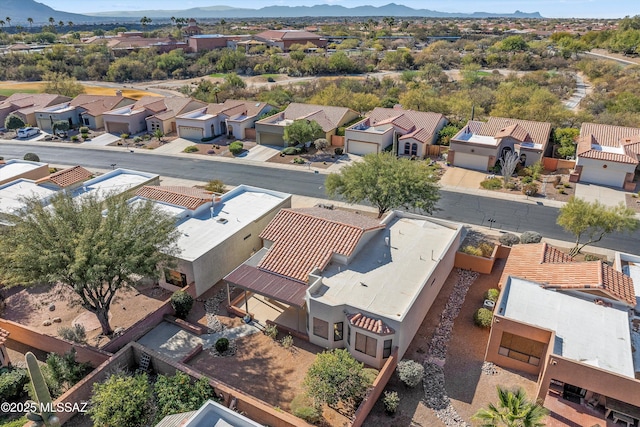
pixel 462 178
pixel 102 140
pixel 262 153
pixel 605 195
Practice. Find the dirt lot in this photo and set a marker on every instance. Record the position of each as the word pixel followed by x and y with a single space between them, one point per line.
pixel 319 159
pixel 30 306
pixel 8 88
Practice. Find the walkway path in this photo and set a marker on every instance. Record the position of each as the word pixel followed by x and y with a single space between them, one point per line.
pixel 583 88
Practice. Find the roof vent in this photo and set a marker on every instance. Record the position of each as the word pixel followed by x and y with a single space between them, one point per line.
pixel 222 220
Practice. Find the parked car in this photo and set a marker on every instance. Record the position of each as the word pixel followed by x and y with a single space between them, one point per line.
pixel 28 132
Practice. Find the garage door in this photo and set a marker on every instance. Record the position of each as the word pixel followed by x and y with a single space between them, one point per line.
pixel 267 138
pixel 190 132
pixel 470 161
pixel 117 128
pixel 360 148
pixel 602 176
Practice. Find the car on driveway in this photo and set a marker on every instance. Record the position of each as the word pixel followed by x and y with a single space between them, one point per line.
pixel 28 132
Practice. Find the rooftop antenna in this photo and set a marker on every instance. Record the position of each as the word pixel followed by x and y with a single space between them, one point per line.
pixel 473 111
pixel 211 209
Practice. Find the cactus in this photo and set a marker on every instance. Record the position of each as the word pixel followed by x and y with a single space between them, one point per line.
pixel 43 416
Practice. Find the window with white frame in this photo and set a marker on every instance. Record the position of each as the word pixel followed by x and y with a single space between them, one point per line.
pixel 320 328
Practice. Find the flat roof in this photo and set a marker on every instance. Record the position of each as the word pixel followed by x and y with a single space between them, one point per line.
pixel 15 167
pixel 199 114
pixel 115 181
pixel 385 279
pixel 13 193
pixel 476 139
pixel 585 332
pixel 213 414
pixel 237 209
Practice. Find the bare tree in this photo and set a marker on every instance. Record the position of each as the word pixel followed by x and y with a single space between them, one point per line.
pixel 508 164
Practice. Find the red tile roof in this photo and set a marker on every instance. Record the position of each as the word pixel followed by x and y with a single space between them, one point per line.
pixel 187 197
pixel 516 132
pixel 376 326
pixel 331 117
pixel 596 138
pixel 67 177
pixel 420 125
pixel 3 336
pixel 287 35
pixel 539 132
pixel 304 239
pixel 546 265
pixel 233 106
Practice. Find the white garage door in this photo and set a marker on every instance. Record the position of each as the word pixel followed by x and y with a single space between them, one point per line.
pixel 190 132
pixel 360 148
pixel 470 161
pixel 602 176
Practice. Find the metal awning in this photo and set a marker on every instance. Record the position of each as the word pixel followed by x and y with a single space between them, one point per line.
pixel 268 284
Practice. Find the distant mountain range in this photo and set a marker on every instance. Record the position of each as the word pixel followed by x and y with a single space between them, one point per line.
pixel 324 10
pixel 20 10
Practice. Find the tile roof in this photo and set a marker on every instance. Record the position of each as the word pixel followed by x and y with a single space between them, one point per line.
pixel 376 326
pixel 539 132
pixel 609 143
pixel 304 239
pixel 287 35
pixel 67 177
pixel 335 116
pixel 231 106
pixel 4 335
pixel 516 132
pixel 27 103
pixel 422 125
pixel 546 265
pixel 187 197
pixel 95 105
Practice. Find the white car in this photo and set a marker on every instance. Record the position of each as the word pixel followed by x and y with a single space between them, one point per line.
pixel 27 132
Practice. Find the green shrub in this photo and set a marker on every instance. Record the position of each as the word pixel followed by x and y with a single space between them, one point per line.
pixel 370 375
pixel 492 294
pixel 208 138
pixel 122 400
pixel 12 382
pixel 530 189
pixel 536 170
pixel 215 186
pixel 290 151
pixel 191 149
pixel 471 250
pixel 137 139
pixel 566 185
pixel 561 191
pixel 14 423
pixel 527 180
pixel 509 239
pixel 339 151
pixel 530 237
pixel 410 372
pixel 222 345
pixel 236 148
pixel 483 317
pixel 287 342
pixel 176 394
pixel 391 402
pixel 302 407
pixel 591 257
pixel 510 185
pixel 31 157
pixel 271 331
pixel 75 333
pixel 182 303
pixel 486 248
pixel 491 184
pixel 524 172
pixel 62 372
pixel 84 129
pixel 299 161
pixel 124 136
pixel 75 138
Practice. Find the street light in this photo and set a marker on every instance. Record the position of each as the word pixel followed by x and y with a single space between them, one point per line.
pixel 491 221
pixel 113 166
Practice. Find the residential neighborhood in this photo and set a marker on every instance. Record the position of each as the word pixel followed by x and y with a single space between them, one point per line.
pixel 394 220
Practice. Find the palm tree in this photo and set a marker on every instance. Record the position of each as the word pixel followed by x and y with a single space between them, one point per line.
pixel 144 21
pixel 513 410
pixel 173 19
pixel 30 21
pixel 1 23
pixel 70 24
pixel 51 21
pixel 8 19
pixel 60 24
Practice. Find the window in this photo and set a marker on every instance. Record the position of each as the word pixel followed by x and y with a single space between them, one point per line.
pixel 366 344
pixel 414 149
pixel 407 148
pixel 176 278
pixel 386 349
pixel 521 348
pixel 320 328
pixel 86 121
pixel 337 331
pixel 349 334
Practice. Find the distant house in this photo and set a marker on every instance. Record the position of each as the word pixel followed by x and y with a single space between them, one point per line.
pixel 411 130
pixel 14 169
pixel 608 155
pixel 148 114
pixel 574 325
pixel 285 38
pixel 479 145
pixel 192 28
pixel 25 105
pixel 270 130
pixel 346 280
pixel 232 117
pixel 135 40
pixel 204 42
pixel 217 232
pixel 83 110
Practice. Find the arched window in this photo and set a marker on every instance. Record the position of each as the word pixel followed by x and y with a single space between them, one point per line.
pixel 523 159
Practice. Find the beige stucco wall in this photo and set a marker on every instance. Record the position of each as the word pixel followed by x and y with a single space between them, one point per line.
pixel 33 174
pixel 44 120
pixel 136 123
pixel 614 173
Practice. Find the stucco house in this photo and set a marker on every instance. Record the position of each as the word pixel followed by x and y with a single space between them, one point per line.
pixel 479 145
pixel 574 325
pixel 148 114
pixel 410 130
pixel 270 130
pixel 217 232
pixel 11 170
pixel 345 280
pixel 83 110
pixel 607 155
pixel 25 105
pixel 285 38
pixel 232 117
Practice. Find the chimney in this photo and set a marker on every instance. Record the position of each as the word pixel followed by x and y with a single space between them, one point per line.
pixel 118 92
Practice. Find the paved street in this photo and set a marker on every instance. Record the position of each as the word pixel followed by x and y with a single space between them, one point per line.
pixel 457 206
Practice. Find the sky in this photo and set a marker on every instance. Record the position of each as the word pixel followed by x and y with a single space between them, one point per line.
pixel 548 8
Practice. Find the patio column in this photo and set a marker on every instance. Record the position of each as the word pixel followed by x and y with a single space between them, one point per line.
pixel 246 303
pixel 228 296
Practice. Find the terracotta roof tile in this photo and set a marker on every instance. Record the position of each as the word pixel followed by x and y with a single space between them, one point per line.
pixel 67 177
pixel 334 115
pixel 539 132
pixel 376 326
pixel 231 106
pixel 609 143
pixel 516 132
pixel 421 125
pixel 3 336
pixel 546 265
pixel 304 239
pixel 187 197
